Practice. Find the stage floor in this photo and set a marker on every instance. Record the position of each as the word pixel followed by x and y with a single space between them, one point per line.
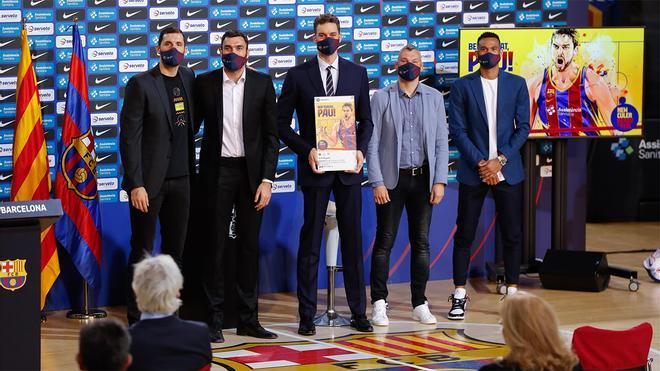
pixel 406 345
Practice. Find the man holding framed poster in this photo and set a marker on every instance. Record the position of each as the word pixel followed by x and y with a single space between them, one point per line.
pixel 328 76
pixel 335 133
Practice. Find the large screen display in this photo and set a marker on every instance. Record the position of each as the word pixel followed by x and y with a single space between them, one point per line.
pixel 583 82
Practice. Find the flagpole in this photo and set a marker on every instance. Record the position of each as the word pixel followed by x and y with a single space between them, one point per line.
pixel 86 313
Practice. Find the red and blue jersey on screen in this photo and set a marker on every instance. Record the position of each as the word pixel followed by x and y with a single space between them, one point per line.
pixel 570 111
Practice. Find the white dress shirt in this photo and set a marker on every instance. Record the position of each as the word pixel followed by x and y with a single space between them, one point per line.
pixel 334 72
pixel 490 98
pixel 232 116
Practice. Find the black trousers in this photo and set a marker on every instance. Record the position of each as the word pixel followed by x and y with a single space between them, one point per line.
pixel 234 191
pixel 413 193
pixel 349 209
pixel 508 204
pixel 171 206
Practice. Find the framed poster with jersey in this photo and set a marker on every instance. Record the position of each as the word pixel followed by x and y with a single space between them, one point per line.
pixel 583 82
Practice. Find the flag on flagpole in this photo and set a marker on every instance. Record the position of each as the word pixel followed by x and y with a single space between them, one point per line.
pixel 31 179
pixel 79 229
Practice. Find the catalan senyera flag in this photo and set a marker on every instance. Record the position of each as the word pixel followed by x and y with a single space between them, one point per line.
pixel 79 229
pixel 31 180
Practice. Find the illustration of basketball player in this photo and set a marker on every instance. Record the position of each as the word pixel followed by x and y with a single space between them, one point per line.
pixel 343 134
pixel 568 99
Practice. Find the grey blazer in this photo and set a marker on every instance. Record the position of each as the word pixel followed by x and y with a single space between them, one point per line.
pixel 384 150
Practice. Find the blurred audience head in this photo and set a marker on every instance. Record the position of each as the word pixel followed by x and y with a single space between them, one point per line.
pixel 531 329
pixel 104 345
pixel 157 281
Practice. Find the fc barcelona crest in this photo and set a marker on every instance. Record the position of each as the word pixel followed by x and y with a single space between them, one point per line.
pixel 78 165
pixel 12 274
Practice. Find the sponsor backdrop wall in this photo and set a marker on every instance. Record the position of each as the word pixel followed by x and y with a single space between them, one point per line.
pixel 119 36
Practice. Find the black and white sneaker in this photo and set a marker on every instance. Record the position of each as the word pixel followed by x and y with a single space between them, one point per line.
pixel 457 311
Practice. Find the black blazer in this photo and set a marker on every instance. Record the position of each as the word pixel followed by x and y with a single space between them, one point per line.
pixel 169 343
pixel 301 85
pixel 146 129
pixel 259 129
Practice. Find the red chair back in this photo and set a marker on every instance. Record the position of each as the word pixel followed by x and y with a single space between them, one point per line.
pixel 600 349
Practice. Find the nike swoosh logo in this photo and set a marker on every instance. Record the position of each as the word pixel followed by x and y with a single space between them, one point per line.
pixel 5 177
pixel 364 182
pixel 281 149
pixel 6 43
pixel 251 11
pixel 446 44
pixel 100 28
pixel 41 81
pixel 391 21
pixel 6 123
pixel 279 175
pixel 38 55
pixel 3 97
pixel 130 41
pixel 160 27
pixel 3 70
pixel 475 6
pixel 191 39
pixel 280 24
pixel 99 159
pixel 451 163
pixel 553 16
pixel 421 32
pixel 501 17
pixel 98 81
pixel 249 64
pixel 198 139
pixel 252 37
pixel 390 70
pixel 158 2
pixel 363 9
pixel 191 65
pixel 101 132
pixel 306 36
pixel 190 14
pixel 102 106
pixel 130 14
pixel 418 7
pixel 447 19
pixel 279 74
pixel 68 15
pixel 35 3
pixel 362 59
pixel 527 5
pixel 67 68
pixel 219 26
pixel 277 50
pixel 98 2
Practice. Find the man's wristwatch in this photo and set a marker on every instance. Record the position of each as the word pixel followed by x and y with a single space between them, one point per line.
pixel 501 159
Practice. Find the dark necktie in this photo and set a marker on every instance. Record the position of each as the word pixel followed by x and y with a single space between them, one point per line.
pixel 329 86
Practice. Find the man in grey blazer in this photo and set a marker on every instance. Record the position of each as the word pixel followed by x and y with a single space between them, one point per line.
pixel 407 160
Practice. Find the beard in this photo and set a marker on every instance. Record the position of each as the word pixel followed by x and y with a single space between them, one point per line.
pixel 562 63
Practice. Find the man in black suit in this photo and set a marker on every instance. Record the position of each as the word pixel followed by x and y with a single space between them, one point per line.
pixel 156 145
pixel 237 168
pixel 327 75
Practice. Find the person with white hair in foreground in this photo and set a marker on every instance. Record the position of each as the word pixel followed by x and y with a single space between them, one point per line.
pixel 161 340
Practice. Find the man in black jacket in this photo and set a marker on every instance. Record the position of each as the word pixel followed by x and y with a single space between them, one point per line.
pixel 237 168
pixel 156 145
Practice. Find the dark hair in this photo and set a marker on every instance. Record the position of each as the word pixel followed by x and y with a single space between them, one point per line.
pixel 170 29
pixel 104 345
pixel 326 18
pixel 488 34
pixel 567 31
pixel 234 33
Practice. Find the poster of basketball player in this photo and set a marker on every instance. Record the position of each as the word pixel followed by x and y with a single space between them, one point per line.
pixel 583 82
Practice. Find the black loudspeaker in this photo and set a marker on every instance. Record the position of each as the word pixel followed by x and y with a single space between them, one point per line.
pixel 575 270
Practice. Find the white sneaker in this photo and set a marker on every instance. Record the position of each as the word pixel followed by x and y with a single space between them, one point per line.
pixel 652 266
pixel 422 314
pixel 379 313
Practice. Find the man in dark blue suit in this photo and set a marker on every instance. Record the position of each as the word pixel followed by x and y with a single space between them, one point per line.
pixel 489 123
pixel 327 75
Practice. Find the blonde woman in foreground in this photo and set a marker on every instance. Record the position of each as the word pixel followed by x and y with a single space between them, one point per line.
pixel 530 328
